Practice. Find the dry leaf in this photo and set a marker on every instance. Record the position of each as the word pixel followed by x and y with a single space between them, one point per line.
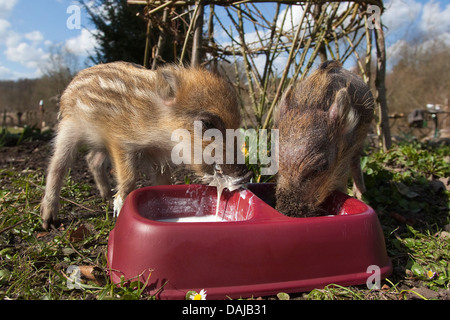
pixel 79 234
pixel 41 234
pixel 409 274
pixel 385 287
pixel 92 273
pixel 283 296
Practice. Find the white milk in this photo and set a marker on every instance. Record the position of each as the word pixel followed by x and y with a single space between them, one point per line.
pixel 209 218
pixel 221 181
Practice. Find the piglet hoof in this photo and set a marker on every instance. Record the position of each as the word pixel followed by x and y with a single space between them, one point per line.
pixel 47 223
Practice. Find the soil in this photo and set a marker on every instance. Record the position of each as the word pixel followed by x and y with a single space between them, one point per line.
pixel 35 156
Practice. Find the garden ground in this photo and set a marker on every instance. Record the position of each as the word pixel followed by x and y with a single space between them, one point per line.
pixel 407 186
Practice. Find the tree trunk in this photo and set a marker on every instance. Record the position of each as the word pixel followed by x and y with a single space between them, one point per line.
pixel 147 44
pixel 212 43
pixel 317 11
pixel 197 41
pixel 157 55
pixel 384 132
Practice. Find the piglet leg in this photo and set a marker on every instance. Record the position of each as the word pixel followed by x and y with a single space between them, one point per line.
pixel 66 147
pixel 97 161
pixel 125 164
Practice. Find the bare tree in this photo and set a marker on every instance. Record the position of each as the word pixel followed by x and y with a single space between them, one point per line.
pixel 61 67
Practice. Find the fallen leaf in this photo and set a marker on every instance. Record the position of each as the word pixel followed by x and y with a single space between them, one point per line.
pixel 41 234
pixel 79 234
pixel 283 296
pixel 93 273
pixel 409 274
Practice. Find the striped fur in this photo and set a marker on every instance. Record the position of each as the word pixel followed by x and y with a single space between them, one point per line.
pixel 126 114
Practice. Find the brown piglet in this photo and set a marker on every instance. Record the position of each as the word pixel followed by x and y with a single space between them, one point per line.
pixel 322 122
pixel 126 114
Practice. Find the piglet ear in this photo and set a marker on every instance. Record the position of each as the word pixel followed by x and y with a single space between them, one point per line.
pixel 284 103
pixel 341 112
pixel 168 84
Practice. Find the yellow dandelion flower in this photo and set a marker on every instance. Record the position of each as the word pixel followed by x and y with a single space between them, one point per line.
pixel 244 149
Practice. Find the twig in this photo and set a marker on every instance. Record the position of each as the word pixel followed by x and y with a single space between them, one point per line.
pixel 68 200
pixel 191 25
pixel 286 70
pixel 166 4
pixel 15 225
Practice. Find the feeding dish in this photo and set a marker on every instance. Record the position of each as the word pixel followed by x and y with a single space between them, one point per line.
pixel 252 250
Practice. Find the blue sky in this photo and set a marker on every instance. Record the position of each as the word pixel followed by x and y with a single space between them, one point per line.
pixel 29 29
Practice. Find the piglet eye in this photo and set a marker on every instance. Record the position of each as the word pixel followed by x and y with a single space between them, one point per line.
pixel 207 124
pixel 210 120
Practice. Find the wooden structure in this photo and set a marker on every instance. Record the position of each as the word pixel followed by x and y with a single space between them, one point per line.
pixel 256 39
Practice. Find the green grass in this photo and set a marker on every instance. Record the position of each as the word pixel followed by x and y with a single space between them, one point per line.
pixel 16 136
pixel 402 188
pixel 407 188
pixel 34 263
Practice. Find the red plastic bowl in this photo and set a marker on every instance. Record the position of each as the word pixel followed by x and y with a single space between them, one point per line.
pixel 257 252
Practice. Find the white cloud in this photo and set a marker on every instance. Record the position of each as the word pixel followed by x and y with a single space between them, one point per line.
pixel 435 20
pixel 8 74
pixel 401 13
pixel 293 15
pixel 27 55
pixel 413 24
pixel 35 36
pixel 83 44
pixel 395 50
pixel 23 49
pixel 5 73
pixel 30 50
pixel 4 29
pixel 6 7
pixel 13 39
pixel 410 17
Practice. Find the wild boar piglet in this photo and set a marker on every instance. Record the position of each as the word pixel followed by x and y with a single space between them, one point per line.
pixel 322 122
pixel 126 115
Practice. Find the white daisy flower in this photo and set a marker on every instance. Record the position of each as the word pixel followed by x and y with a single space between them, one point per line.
pixel 199 296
